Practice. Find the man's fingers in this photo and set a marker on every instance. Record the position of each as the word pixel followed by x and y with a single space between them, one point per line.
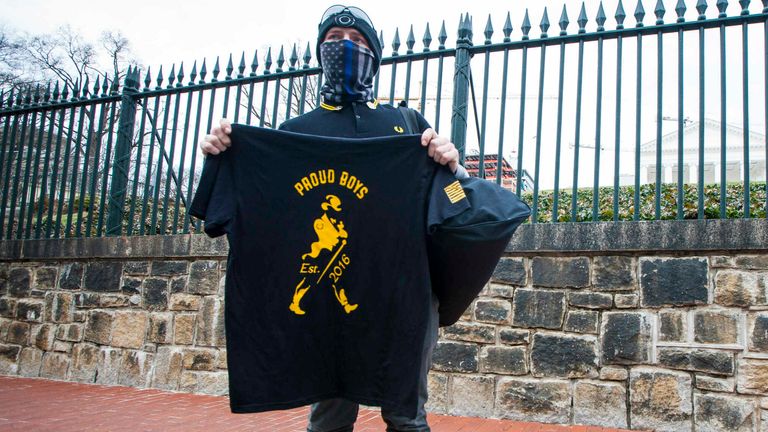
pixel 226 126
pixel 427 136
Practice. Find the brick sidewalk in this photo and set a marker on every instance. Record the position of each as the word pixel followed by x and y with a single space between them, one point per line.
pixel 42 405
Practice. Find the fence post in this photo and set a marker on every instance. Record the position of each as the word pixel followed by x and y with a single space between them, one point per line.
pixel 461 86
pixel 122 160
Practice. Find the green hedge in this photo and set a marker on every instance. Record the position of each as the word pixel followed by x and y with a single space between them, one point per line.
pixel 734 201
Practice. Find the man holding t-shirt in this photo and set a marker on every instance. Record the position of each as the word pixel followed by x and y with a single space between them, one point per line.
pixel 349 52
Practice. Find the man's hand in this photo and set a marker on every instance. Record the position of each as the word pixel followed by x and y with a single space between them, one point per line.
pixel 441 149
pixel 218 140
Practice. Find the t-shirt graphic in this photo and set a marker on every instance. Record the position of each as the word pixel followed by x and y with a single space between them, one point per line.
pixel 327 291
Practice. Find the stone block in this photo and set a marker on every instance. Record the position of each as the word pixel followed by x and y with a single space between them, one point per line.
pixel 455 357
pixel 131 285
pixel 184 329
pixel 9 357
pixel 136 268
pixel 674 281
pixel 160 328
pixel 71 277
pixel 210 323
pixel 614 273
pixel 60 307
pixel 45 278
pixel 757 331
pixel 709 361
pixel 510 271
pixel 135 368
pixel 533 400
pixel 70 332
pixel 19 282
pixel 30 310
pixel 103 276
pixel 509 336
pixel 717 413
pixel 500 290
pixel 18 333
pixel 212 383
pixel 30 362
pixel 179 284
pixel 581 321
pixel 590 300
pixel 155 294
pixel 752 377
pixel 168 368
pixel 503 360
pixel 660 400
pixel 740 289
pixel 626 301
pixel 437 385
pixel 61 346
pixel 202 245
pixel 7 307
pixel 715 384
pixel 560 272
pixel 55 365
pixel 613 373
pixel 470 332
pixel 221 359
pixel 184 302
pixel 563 356
pixel 600 404
pixel 129 329
pixel 472 396
pixel 199 359
pixel 716 327
pixel 169 268
pixel 203 277
pixel 85 362
pixel 673 326
pixel 537 308
pixel 626 338
pixel 752 262
pixel 110 360
pixel 492 311
pixel 43 336
pixel 114 301
pixel 87 300
pixel 98 328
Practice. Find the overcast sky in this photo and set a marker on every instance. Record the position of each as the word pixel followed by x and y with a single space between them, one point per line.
pixel 164 32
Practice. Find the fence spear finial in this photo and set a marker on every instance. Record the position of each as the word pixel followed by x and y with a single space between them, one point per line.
pixel 307 57
pixel 526 27
pixel 659 11
pixel 193 74
pixel 680 9
pixel 180 76
pixel 396 42
pixel 488 32
pixel 280 60
pixel 159 79
pixel 564 21
pixel 96 87
pixel 230 68
pixel 241 66
pixel 639 13
pixel 620 16
pixel 203 72
pixel 410 41
pixel 442 37
pixel 722 5
pixel 293 59
pixel 427 39
pixel 172 76
pixel 745 6
pixel 254 63
pixel 701 7
pixel 268 61
pixel 601 18
pixel 582 20
pixel 507 29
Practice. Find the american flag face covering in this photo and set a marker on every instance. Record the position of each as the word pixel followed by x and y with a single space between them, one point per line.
pixel 348 70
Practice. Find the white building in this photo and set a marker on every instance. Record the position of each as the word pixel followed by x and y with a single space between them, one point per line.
pixel 734 155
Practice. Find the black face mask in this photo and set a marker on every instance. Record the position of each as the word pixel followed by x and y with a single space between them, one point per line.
pixel 348 70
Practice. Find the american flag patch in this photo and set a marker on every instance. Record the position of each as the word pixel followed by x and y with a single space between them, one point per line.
pixel 455 192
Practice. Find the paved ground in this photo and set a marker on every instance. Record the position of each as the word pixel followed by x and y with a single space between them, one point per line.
pixel 42 405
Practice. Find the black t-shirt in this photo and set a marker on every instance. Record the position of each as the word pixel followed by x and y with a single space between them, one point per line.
pixel 327 288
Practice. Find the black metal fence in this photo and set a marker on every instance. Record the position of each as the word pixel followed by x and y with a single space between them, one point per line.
pixel 108 160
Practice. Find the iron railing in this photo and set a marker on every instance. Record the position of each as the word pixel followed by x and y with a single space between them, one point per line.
pixel 105 160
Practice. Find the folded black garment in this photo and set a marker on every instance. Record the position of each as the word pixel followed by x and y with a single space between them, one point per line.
pixel 464 250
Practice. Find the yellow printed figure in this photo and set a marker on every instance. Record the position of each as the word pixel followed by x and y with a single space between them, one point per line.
pixel 331 236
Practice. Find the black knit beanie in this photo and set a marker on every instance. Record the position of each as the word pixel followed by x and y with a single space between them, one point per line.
pixel 346 18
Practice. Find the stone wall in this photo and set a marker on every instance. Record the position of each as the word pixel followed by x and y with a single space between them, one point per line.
pixel 660 325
